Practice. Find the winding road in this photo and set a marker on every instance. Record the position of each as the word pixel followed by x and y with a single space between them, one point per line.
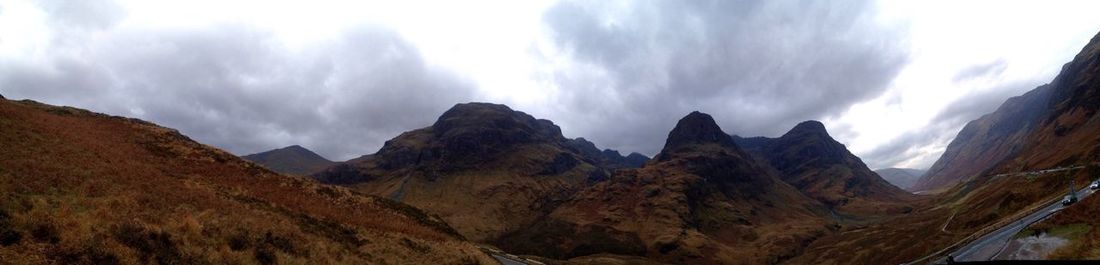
pixel 988 246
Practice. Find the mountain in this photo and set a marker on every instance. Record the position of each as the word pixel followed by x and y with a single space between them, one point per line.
pixel 294 160
pixel 985 142
pixel 901 177
pixel 702 200
pixel 86 188
pixel 484 168
pixel 822 168
pixel 1053 125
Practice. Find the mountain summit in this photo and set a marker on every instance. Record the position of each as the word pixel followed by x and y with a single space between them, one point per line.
pixel 819 166
pixel 695 128
pixel 294 160
pixel 704 201
pixel 484 168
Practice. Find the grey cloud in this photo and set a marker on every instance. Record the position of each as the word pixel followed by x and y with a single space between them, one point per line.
pixel 943 127
pixel 759 67
pixel 992 68
pixel 237 88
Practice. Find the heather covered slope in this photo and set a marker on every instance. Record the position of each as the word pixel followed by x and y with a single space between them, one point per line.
pixel 700 201
pixel 903 178
pixel 822 168
pixel 79 187
pixel 294 160
pixel 987 141
pixel 1053 125
pixel 484 168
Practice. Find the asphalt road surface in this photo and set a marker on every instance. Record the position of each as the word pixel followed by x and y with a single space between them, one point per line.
pixel 989 245
pixel 507 261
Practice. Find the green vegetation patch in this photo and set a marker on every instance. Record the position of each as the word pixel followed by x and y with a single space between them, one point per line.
pixel 1071 231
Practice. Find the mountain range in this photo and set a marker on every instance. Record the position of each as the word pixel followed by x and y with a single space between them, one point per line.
pixel 503 177
pixel 80 187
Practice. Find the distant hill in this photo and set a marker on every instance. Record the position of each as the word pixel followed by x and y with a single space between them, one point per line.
pixel 86 188
pixel 901 177
pixel 294 160
pixel 822 168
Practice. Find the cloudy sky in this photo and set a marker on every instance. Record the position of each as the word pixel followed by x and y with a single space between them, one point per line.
pixel 893 80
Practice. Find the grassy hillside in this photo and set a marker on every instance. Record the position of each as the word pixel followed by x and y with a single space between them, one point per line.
pixel 81 187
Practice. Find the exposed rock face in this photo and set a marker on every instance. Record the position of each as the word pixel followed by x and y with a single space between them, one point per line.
pixel 901 177
pixel 822 168
pixel 294 160
pixel 694 129
pixel 704 201
pixel 484 168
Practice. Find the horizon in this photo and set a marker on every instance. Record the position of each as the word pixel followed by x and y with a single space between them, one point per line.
pixel 893 81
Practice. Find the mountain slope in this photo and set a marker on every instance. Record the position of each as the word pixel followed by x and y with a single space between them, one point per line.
pixel 822 168
pixel 484 168
pixel 294 160
pixel 900 177
pixel 80 187
pixel 1050 126
pixel 1061 131
pixel 702 200
pixel 985 142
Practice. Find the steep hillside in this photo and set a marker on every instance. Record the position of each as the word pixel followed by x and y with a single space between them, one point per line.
pixel 900 177
pixel 484 168
pixel 1053 125
pixel 1025 134
pixel 822 168
pixel 702 200
pixel 84 188
pixel 293 160
pixel 989 140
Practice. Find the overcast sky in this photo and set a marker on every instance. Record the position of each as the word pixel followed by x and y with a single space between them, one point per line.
pixel 893 80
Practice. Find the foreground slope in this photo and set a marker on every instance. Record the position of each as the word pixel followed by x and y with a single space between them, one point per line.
pixel 702 200
pixel 822 168
pixel 294 160
pixel 484 168
pixel 81 187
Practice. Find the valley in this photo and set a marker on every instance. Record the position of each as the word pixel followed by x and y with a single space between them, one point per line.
pixel 548 133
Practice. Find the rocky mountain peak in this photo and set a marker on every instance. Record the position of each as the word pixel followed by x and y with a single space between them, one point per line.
pixel 696 128
pixel 810 127
pixel 478 117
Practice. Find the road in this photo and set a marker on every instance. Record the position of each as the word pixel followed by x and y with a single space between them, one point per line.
pixel 989 245
pixel 506 260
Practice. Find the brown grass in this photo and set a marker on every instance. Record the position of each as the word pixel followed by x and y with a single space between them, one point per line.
pixel 80 187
